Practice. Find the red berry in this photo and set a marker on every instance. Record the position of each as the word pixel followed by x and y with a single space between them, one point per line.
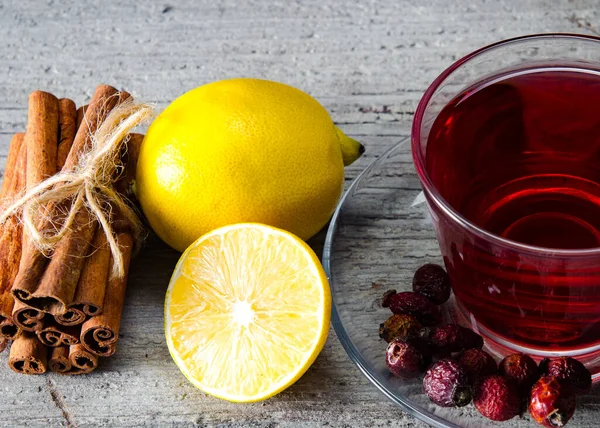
pixel 496 398
pixel 551 404
pixel 444 340
pixel 413 304
pixel 478 363
pixel 522 369
pixel 454 338
pixel 446 383
pixel 433 282
pixel 399 326
pixel 404 360
pixel 569 371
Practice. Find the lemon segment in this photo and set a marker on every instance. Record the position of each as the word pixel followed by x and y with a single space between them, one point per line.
pixel 247 311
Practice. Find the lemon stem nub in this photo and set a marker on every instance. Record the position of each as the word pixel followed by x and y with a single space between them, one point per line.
pixel 351 149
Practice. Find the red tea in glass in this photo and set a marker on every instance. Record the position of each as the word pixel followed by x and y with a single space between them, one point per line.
pixel 519 156
pixel 506 143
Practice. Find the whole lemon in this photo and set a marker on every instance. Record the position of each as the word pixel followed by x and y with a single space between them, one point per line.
pixel 241 150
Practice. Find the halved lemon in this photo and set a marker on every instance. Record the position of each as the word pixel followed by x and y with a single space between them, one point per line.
pixel 247 311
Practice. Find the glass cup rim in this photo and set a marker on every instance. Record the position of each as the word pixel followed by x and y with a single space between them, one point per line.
pixel 419 161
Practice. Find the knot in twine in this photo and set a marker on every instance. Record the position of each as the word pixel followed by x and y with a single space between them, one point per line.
pixel 89 185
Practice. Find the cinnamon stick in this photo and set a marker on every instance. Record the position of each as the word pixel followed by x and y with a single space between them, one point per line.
pixel 125 183
pixel 82 359
pixel 67 118
pixel 81 114
pixel 72 360
pixel 41 140
pixel 54 334
pixel 28 355
pixel 105 98
pixel 57 285
pixel 72 316
pixel 11 234
pixel 100 334
pixel 9 330
pixel 14 148
pixel 41 137
pixel 27 318
pixel 56 288
pixel 89 295
pixel 91 288
pixel 59 360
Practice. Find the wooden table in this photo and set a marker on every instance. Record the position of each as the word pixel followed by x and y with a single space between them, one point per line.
pixel 368 62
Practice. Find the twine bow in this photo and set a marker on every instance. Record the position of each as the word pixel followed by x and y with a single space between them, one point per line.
pixel 89 185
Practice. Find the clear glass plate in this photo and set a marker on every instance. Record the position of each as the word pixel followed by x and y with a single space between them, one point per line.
pixel 379 235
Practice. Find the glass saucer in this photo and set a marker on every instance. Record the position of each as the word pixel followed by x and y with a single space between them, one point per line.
pixel 379 235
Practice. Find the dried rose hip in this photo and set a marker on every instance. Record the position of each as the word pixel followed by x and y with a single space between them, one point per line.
pixel 496 398
pixel 569 371
pixel 445 339
pixel 399 326
pixel 446 383
pixel 551 404
pixel 522 369
pixel 478 363
pixel 454 338
pixel 433 282
pixel 413 304
pixel 404 360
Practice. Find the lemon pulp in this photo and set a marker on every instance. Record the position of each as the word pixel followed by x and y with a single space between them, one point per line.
pixel 247 311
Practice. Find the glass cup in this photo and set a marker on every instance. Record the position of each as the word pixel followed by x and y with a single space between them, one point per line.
pixel 527 298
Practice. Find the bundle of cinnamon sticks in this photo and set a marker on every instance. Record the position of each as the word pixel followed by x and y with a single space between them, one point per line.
pixel 62 310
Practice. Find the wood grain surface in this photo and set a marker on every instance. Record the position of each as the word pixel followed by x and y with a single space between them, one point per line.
pixel 368 62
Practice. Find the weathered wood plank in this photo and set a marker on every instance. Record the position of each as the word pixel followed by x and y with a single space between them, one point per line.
pixel 367 61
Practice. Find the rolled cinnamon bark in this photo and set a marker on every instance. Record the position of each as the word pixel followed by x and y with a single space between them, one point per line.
pixel 73 316
pixel 81 114
pixel 125 183
pixel 11 234
pixel 9 330
pixel 41 140
pixel 59 360
pixel 105 98
pixel 56 284
pixel 91 288
pixel 67 119
pixel 54 334
pixel 82 359
pixel 100 334
pixel 12 158
pixel 28 355
pixel 27 318
pixel 59 281
pixel 89 295
pixel 72 360
pixel 41 137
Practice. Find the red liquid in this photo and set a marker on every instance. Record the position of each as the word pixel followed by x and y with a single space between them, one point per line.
pixel 519 156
